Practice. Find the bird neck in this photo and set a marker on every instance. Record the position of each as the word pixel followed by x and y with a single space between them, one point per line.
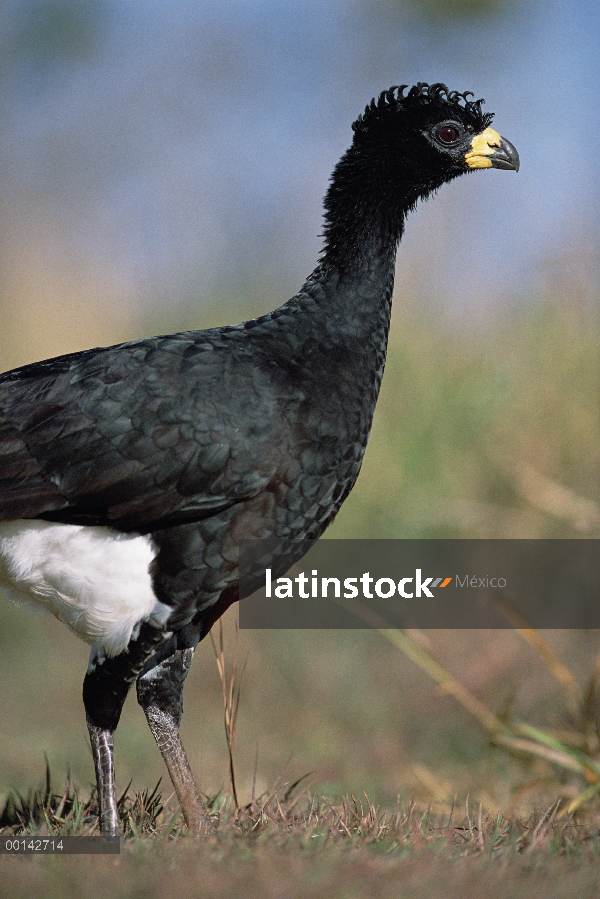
pixel 354 295
pixel 347 298
pixel 365 207
pixel 364 221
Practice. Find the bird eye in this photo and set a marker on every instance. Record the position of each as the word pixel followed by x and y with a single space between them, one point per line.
pixel 448 134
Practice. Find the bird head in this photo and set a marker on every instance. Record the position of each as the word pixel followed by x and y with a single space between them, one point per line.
pixel 406 144
pixel 430 135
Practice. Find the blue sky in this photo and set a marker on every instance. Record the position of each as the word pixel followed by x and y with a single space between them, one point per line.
pixel 188 149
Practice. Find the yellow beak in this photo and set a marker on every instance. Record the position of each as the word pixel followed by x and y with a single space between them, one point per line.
pixel 490 150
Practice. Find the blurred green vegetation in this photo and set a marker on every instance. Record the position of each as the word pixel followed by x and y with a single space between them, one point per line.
pixel 485 428
pixel 51 31
pixel 440 13
pixel 481 428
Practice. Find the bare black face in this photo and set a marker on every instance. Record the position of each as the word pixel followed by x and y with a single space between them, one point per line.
pixel 472 150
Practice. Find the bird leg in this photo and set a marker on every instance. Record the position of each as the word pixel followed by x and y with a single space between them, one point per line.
pixel 102 750
pixel 160 694
pixel 105 689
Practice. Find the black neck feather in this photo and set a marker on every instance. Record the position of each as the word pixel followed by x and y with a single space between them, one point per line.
pixel 364 212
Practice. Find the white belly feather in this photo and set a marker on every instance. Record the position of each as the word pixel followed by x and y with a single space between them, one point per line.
pixel 93 579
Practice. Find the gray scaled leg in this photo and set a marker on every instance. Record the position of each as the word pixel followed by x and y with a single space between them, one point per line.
pixel 101 740
pixel 105 688
pixel 160 694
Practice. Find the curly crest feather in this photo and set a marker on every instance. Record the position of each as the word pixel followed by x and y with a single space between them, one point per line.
pixel 394 99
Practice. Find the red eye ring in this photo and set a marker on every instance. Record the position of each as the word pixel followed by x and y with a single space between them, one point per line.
pixel 448 134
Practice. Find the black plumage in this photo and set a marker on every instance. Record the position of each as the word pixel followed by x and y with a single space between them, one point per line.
pixel 201 438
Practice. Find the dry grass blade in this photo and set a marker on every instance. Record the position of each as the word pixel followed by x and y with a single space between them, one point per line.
pixel 480 837
pixel 535 639
pixel 231 698
pixel 559 758
pixel 410 647
pixel 590 768
pixel 589 711
pixel 292 787
pixel 587 795
pixel 538 743
pixel 407 643
pixel 518 737
pixel 543 826
pixel 555 499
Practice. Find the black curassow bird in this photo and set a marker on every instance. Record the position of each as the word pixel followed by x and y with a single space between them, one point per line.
pixel 129 474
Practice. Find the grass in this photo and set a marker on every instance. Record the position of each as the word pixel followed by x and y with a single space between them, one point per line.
pixel 291 845
pixel 231 701
pixel 291 841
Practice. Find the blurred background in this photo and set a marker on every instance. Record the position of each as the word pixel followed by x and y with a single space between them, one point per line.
pixel 162 166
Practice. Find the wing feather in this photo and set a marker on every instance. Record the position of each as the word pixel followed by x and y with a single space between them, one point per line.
pixel 137 436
